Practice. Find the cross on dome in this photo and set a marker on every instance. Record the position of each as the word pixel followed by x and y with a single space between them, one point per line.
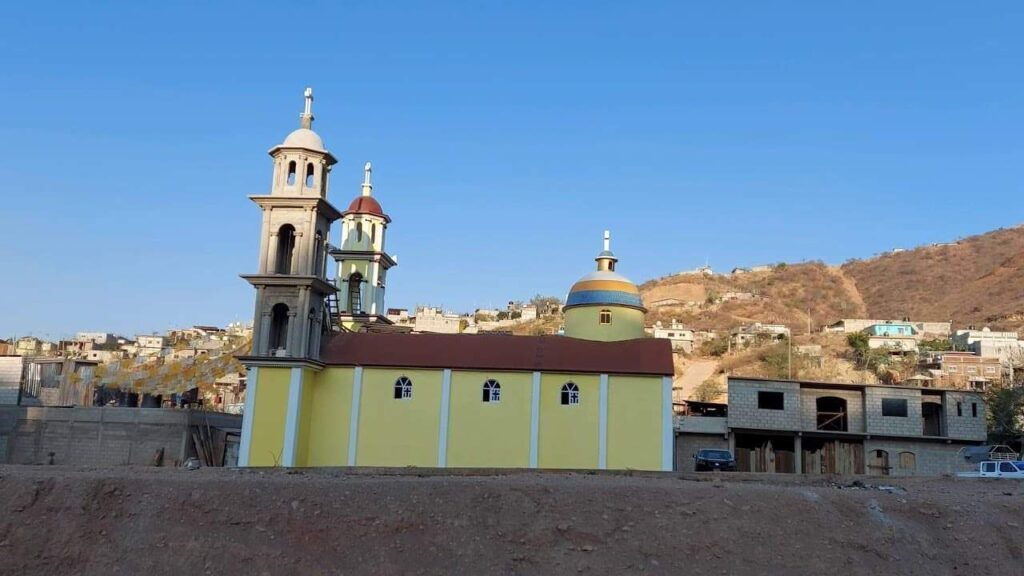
pixel 367 186
pixel 306 118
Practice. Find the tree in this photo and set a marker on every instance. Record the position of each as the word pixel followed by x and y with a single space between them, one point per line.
pixel 516 315
pixel 1005 405
pixel 708 390
pixel 503 315
pixel 935 345
pixel 544 302
pixel 715 347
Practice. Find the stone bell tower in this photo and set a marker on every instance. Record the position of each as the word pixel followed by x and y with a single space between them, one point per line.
pixel 291 285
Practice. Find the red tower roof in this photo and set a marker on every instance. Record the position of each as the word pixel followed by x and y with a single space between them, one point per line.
pixel 366 205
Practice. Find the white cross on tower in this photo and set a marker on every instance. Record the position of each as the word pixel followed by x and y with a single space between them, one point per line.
pixel 309 101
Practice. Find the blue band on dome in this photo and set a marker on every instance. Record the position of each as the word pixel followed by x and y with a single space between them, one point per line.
pixel 603 297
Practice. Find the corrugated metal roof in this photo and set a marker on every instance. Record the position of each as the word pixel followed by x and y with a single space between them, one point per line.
pixel 484 352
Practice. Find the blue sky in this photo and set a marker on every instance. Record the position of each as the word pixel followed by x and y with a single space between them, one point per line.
pixel 505 137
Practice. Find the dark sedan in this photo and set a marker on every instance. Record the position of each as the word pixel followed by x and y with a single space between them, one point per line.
pixel 707 460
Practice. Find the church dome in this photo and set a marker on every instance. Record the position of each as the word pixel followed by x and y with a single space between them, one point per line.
pixel 304 138
pixel 366 205
pixel 604 287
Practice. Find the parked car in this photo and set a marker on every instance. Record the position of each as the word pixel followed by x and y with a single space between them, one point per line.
pixel 707 459
pixel 1000 469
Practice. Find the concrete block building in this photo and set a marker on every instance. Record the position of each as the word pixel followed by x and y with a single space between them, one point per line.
pixel 340 386
pixel 829 427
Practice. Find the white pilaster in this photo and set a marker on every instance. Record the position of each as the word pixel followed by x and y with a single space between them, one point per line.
pixel 292 419
pixel 250 411
pixel 667 440
pixel 534 419
pixel 442 437
pixel 602 424
pixel 353 418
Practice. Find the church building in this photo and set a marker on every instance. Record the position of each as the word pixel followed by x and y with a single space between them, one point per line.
pixel 331 385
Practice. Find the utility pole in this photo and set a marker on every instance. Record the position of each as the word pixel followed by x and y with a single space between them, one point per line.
pixel 790 360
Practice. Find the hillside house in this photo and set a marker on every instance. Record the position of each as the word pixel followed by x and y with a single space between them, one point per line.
pixel 758 333
pixel 789 426
pixel 963 370
pixel 430 319
pixel 990 344
pixel 922 330
pixel 896 337
pixel 398 315
pixel 681 336
pixel 151 345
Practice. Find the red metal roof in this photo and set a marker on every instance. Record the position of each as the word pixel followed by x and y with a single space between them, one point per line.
pixel 644 356
pixel 366 205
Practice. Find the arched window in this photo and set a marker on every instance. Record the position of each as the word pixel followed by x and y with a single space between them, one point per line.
pixel 373 234
pixel 359 231
pixel 831 413
pixel 355 292
pixel 492 391
pixel 606 316
pixel 570 394
pixel 278 327
pixel 309 175
pixel 403 388
pixel 291 173
pixel 285 247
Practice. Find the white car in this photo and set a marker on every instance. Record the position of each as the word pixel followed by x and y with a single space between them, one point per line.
pixel 1000 469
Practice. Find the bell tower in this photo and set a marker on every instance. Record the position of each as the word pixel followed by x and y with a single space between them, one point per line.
pixel 291 285
pixel 362 262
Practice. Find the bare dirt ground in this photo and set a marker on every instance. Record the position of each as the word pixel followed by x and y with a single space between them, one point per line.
pixel 152 521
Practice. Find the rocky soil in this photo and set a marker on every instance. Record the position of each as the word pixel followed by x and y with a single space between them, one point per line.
pixel 152 521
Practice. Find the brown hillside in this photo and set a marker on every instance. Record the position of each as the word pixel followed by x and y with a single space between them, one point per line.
pixel 787 294
pixel 978 280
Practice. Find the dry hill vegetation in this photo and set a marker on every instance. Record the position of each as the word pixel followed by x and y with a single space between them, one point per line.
pixel 978 280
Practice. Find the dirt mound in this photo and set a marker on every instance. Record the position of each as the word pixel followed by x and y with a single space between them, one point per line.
pixel 57 520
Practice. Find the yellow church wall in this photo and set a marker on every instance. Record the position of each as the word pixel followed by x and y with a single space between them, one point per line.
pixel 330 405
pixel 399 432
pixel 489 434
pixel 568 435
pixel 634 422
pixel 269 414
pixel 585 322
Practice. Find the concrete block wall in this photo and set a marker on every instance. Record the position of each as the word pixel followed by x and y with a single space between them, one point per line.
pixel 911 425
pixel 744 413
pixel 966 426
pixel 931 458
pixel 688 444
pixel 104 436
pixel 854 407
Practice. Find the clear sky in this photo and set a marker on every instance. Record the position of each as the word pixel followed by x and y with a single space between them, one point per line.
pixel 505 137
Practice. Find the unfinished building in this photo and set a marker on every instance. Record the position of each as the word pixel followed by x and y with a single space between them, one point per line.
pixel 791 426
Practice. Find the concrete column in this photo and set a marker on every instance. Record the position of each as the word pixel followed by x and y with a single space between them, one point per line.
pixel 375 275
pixel 602 423
pixel 264 241
pixel 442 437
pixel 534 419
pixel 798 454
pixel 271 254
pixel 293 417
pixel 304 321
pixel 264 335
pixel 297 250
pixel 353 419
pixel 313 249
pixel 250 408
pixel 292 341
